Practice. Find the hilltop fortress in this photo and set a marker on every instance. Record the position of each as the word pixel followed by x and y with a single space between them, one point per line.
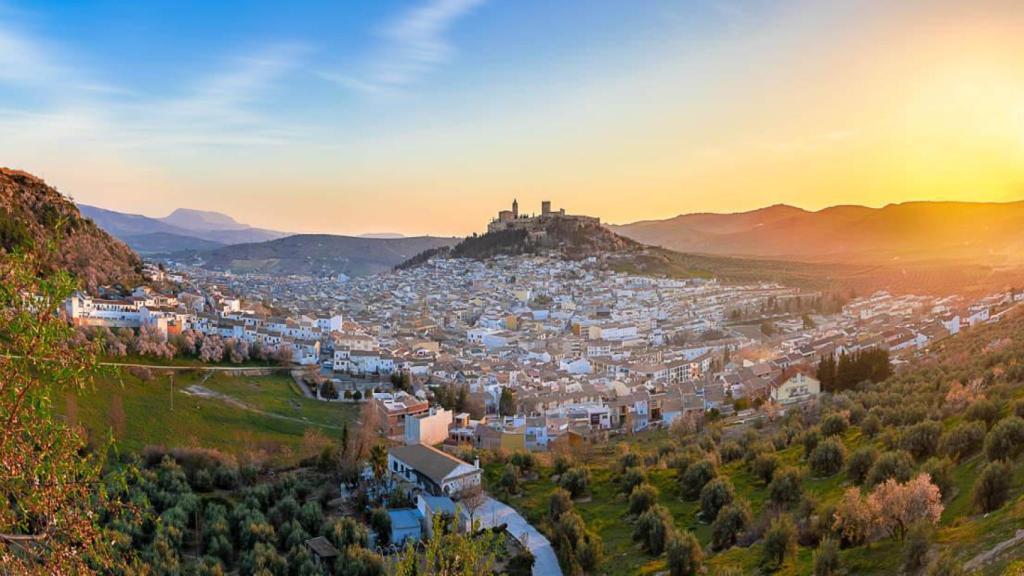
pixel 512 220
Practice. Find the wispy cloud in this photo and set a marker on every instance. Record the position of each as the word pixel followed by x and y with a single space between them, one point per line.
pixel 414 44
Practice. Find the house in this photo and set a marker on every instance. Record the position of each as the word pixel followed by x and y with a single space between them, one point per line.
pixel 406 525
pixel 795 385
pixel 323 551
pixel 428 427
pixel 432 470
pixel 393 410
pixel 430 506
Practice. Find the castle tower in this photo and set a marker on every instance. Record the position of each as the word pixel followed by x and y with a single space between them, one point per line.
pixel 545 207
pixel 515 208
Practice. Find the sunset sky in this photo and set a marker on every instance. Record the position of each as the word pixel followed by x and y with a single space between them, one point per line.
pixel 428 116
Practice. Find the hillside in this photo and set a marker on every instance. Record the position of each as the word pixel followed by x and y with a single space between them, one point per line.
pixel 33 214
pixel 317 254
pixel 183 229
pixel 985 233
pixel 164 242
pixel 953 414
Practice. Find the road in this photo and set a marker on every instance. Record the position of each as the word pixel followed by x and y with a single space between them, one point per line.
pixel 494 513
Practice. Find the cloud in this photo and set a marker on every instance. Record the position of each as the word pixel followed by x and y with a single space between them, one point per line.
pixel 415 44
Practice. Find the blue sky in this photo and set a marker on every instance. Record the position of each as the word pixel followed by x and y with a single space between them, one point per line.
pixel 426 116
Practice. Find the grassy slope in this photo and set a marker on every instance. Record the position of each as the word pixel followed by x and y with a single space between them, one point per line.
pixel 966 532
pixel 210 422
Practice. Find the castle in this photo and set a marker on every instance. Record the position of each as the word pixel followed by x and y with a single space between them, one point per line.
pixel 512 220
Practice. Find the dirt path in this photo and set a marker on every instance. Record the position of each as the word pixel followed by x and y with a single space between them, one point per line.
pixel 984 558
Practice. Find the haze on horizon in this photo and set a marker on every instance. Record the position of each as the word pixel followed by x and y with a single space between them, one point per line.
pixel 427 116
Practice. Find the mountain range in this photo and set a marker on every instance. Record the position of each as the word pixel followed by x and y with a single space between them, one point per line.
pixel 183 229
pixel 989 233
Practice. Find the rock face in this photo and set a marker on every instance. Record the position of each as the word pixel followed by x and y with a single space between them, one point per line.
pixel 35 217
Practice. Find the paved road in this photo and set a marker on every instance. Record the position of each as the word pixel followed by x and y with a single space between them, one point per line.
pixel 494 513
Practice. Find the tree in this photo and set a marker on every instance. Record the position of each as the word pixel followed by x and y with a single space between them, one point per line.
pixel 992 487
pixel 915 548
pixel 826 558
pixel 642 498
pixel 696 476
pixel 897 465
pixel 49 482
pixel 472 498
pixel 575 480
pixel 785 489
pixel 379 461
pixel 684 555
pixel 922 439
pixel 653 529
pixel 764 465
pixel 507 403
pixel 380 520
pixel 559 503
pixel 328 390
pixel 898 506
pixel 715 494
pixel 779 543
pixel 449 553
pixel 860 463
pixel 834 424
pixel 509 480
pixel 1006 439
pixel 828 457
pixel 963 440
pixel 731 521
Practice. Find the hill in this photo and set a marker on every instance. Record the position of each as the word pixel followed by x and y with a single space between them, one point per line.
pixel 32 215
pixel 183 229
pixel 164 242
pixel 944 414
pixel 986 233
pixel 317 254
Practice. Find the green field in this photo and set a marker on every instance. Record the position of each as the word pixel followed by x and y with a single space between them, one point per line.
pixel 263 417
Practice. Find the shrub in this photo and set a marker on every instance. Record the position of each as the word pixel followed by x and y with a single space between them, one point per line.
pixel 684 555
pixel 1006 439
pixel 963 440
pixel 983 410
pixel 893 464
pixel 945 565
pixel 653 529
pixel 380 521
pixel 860 463
pixel 642 499
pixel 828 457
pixel 764 466
pixel 992 487
pixel 826 558
pixel 785 488
pixel 922 440
pixel 732 520
pixel 715 494
pixel 833 425
pixel 779 543
pixel 696 476
pixel 915 549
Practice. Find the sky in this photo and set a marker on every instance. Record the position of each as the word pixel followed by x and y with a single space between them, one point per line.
pixel 428 116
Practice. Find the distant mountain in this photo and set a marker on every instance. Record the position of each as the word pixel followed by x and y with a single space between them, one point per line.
pixel 202 220
pixel 316 254
pixel 382 235
pixel 165 242
pixel 909 232
pixel 33 215
pixel 183 229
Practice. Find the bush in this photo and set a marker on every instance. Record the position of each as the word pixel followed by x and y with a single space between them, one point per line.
pixel 915 548
pixel 983 410
pixel 684 555
pixel 380 521
pixel 764 465
pixel 893 464
pixel 963 440
pixel 653 529
pixel 715 494
pixel 992 487
pixel 945 565
pixel 828 457
pixel 642 499
pixel 785 489
pixel 779 543
pixel 860 464
pixel 1006 439
pixel 941 472
pixel 834 425
pixel 922 440
pixel 732 520
pixel 696 476
pixel 826 558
